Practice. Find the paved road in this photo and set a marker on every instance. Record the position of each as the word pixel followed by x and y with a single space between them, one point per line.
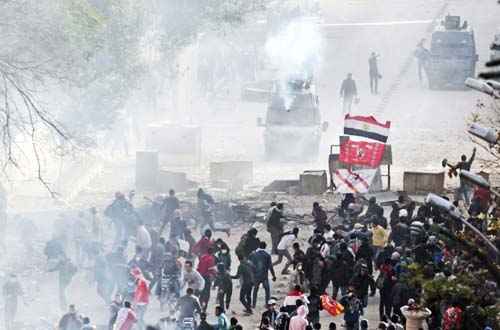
pixel 427 125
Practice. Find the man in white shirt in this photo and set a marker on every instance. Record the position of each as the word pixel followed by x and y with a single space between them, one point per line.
pixel 192 279
pixel 143 239
pixel 286 241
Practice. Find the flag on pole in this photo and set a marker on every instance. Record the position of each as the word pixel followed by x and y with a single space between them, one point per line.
pixel 354 182
pixel 361 153
pixel 366 126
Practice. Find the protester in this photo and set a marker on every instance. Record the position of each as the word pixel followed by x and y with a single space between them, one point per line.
pixel 224 285
pixel 287 239
pixel 192 279
pixel 275 225
pixel 206 268
pixel 314 306
pixel 246 275
pixel 373 72
pixel 188 305
pixel 348 92
pixel 222 321
pixel 319 215
pixel 353 309
pixel 71 320
pixel 126 317
pixel 141 296
pixel 270 314
pixel 262 261
pixel 86 324
pixel 143 239
pixel 114 308
pixel 248 244
pixel 204 325
pixel 415 315
pixel 205 242
pixel 299 321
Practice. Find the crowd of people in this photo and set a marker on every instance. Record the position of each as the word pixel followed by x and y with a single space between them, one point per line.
pixel 353 253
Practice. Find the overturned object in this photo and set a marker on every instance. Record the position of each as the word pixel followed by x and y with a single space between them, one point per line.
pixel 359 181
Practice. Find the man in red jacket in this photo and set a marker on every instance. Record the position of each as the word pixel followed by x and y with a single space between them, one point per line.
pixel 202 246
pixel 206 268
pixel 141 295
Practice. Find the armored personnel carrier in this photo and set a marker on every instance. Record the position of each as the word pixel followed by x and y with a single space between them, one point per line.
pixel 453 54
pixel 293 125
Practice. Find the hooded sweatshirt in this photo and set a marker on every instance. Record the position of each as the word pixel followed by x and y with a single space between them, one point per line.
pixel 299 321
pixel 125 319
pixel 141 293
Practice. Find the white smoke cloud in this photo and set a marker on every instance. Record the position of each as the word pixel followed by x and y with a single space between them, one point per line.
pixel 295 49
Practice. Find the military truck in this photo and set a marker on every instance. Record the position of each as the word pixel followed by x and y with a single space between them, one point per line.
pixel 293 124
pixel 453 54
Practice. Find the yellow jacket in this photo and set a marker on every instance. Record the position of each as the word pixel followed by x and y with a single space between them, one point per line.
pixel 379 236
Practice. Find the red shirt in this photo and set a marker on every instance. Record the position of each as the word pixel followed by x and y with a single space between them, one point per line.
pixel 202 246
pixel 141 294
pixel 483 195
pixel 206 265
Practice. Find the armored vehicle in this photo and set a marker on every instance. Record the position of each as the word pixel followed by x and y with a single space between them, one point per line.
pixel 453 54
pixel 293 125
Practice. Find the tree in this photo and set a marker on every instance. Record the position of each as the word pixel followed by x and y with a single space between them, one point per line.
pixel 69 67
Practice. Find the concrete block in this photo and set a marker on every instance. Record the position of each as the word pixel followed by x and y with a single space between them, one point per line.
pixel 238 173
pixel 281 185
pixel 313 182
pixel 172 180
pixel 146 170
pixel 423 182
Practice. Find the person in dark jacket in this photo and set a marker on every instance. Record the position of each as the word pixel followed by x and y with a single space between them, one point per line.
pixel 361 282
pixel 224 285
pixel 319 215
pixel 314 305
pixel 275 226
pixel 365 255
pixel 401 293
pixel 314 265
pixel 387 279
pixel 271 314
pixel 298 256
pixel 373 72
pixel 263 266
pixel 343 265
pixel 71 320
pixel 353 309
pixel 121 212
pixel 348 92
pixel 170 204
pixel 400 234
pixel 246 275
